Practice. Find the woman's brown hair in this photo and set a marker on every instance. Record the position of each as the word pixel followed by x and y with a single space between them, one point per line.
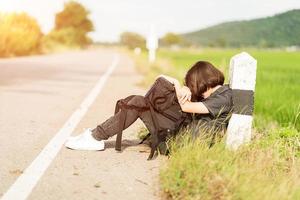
pixel 202 76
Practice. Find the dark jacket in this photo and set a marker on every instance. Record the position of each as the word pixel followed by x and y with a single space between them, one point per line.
pixel 166 112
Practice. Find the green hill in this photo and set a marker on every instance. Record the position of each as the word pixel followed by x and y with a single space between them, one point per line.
pixel 276 31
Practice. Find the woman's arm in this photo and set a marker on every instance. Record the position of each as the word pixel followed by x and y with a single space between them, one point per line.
pixel 194 107
pixel 185 104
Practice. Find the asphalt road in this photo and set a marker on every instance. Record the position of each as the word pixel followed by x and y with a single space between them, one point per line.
pixel 38 94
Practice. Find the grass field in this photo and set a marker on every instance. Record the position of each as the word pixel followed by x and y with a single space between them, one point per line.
pixel 277 95
pixel 269 167
pixel 266 169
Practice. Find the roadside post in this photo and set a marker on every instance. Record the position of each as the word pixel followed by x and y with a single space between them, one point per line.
pixel 152 44
pixel 242 78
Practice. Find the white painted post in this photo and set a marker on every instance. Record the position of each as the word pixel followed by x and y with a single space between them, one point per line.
pixel 152 44
pixel 242 77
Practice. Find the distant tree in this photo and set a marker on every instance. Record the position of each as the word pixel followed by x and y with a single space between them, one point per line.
pixel 171 39
pixel 72 26
pixel 20 34
pixel 280 30
pixel 132 40
pixel 220 42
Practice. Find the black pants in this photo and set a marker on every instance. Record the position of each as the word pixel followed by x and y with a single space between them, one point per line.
pixel 110 127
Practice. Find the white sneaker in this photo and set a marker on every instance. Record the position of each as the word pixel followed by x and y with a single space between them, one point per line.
pixel 74 137
pixel 85 141
pixel 78 136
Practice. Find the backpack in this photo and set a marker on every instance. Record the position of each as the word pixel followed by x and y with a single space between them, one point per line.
pixel 160 99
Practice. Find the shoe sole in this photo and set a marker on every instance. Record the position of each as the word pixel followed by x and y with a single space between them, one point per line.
pixel 85 149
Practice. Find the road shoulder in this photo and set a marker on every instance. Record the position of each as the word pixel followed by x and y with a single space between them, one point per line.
pixel 107 174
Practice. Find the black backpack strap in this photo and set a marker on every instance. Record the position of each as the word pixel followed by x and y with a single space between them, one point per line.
pixel 121 124
pixel 122 105
pixel 145 138
pixel 154 139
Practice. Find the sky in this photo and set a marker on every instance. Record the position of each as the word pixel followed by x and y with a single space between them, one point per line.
pixel 112 17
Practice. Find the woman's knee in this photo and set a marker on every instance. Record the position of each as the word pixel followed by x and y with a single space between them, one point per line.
pixel 138 101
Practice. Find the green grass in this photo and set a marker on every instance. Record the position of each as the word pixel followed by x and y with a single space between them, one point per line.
pixel 269 167
pixel 266 169
pixel 277 95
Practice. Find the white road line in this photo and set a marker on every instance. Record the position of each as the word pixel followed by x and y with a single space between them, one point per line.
pixel 23 186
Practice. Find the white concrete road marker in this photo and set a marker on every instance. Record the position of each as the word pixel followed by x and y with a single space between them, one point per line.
pixel 242 82
pixel 23 186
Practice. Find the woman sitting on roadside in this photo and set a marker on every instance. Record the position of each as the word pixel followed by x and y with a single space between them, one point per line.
pixel 204 95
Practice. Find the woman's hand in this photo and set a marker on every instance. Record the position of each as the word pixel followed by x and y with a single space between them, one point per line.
pixel 185 95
